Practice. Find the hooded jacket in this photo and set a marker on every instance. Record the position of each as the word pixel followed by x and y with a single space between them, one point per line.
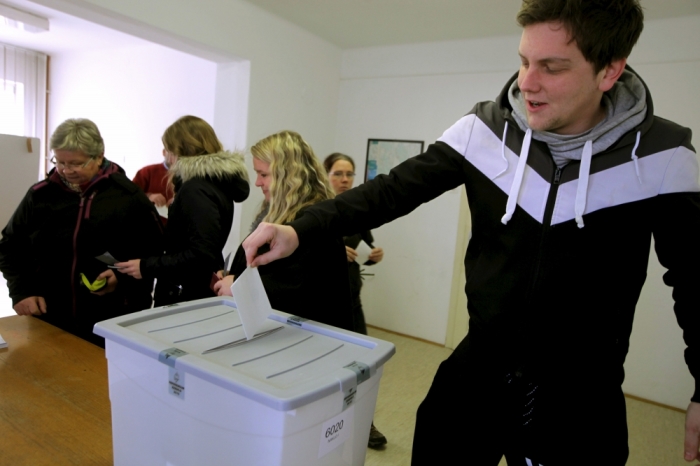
pixel 558 256
pixel 55 235
pixel 199 222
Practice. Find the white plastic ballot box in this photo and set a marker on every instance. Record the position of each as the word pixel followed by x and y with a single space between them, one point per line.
pixel 188 389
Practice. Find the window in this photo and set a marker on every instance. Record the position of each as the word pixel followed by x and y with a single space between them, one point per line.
pixel 23 95
pixel 11 107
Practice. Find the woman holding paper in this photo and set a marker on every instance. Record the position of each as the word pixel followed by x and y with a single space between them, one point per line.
pixel 53 249
pixel 207 181
pixel 313 282
pixel 341 172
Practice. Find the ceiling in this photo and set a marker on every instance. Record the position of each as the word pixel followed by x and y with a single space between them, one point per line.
pixel 345 23
pixel 365 23
pixel 65 33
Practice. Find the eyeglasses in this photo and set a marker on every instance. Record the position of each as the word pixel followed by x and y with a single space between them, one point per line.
pixel 71 166
pixel 342 174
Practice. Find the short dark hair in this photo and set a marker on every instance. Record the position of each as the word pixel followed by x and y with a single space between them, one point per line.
pixel 333 158
pixel 604 30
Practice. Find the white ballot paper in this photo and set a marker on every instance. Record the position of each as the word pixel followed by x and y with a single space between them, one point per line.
pixel 3 343
pixel 162 210
pixel 252 302
pixel 363 252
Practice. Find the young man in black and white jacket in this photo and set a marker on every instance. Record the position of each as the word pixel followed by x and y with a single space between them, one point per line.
pixel 569 175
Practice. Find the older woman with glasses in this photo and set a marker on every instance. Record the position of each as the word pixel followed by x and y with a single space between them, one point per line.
pixel 86 207
pixel 312 282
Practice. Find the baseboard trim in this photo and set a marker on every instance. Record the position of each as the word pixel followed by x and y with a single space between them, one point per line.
pixel 660 405
pixel 407 336
pixel 627 395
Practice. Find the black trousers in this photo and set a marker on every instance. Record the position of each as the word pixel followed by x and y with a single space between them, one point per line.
pixel 475 413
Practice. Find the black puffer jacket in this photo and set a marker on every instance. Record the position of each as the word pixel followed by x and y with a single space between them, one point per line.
pixel 55 235
pixel 547 290
pixel 311 283
pixel 199 222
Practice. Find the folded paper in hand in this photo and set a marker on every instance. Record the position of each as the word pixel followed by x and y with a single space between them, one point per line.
pixel 107 258
pixel 363 251
pixel 252 302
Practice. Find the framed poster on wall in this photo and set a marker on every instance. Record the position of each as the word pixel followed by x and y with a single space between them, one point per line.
pixel 385 154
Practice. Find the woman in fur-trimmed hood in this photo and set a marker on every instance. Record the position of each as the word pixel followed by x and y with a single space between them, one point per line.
pixel 207 181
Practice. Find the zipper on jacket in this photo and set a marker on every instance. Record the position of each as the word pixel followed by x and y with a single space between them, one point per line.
pixel 557 176
pixel 542 252
pixel 75 254
pixel 551 200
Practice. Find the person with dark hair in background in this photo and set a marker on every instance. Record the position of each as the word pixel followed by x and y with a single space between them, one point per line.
pixel 569 175
pixel 207 181
pixel 341 173
pixel 313 282
pixel 86 207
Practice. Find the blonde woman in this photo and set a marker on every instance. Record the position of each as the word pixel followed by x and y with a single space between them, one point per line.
pixel 312 282
pixel 207 181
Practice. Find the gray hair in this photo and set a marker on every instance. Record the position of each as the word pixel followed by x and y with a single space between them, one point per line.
pixel 78 134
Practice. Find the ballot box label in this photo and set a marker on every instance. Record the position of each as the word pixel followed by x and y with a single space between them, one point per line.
pixel 168 356
pixel 335 431
pixel 176 383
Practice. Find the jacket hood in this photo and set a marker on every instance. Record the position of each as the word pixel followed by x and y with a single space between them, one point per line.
pixel 225 169
pixel 215 166
pixel 632 125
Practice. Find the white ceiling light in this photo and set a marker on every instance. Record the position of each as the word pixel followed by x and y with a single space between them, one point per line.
pixel 13 17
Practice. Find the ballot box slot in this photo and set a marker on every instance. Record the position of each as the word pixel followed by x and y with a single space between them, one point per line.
pixel 272 352
pixel 242 341
pixel 209 334
pixel 192 322
pixel 298 366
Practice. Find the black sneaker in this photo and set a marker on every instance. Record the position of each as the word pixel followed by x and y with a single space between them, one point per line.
pixel 376 438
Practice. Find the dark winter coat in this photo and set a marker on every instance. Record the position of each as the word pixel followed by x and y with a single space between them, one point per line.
pixel 199 222
pixel 311 283
pixel 545 293
pixel 55 235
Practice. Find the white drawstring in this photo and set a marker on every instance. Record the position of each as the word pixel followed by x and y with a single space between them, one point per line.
pixel 635 158
pixel 582 189
pixel 517 179
pixel 503 152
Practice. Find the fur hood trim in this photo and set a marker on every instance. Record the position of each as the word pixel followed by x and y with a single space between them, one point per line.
pixel 220 165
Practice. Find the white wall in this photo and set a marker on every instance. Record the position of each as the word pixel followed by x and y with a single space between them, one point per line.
pixel 132 93
pixel 416 92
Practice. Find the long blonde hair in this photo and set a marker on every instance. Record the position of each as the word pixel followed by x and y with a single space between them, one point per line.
pixel 298 178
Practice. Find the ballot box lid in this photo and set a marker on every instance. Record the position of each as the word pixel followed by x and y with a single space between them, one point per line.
pixel 288 364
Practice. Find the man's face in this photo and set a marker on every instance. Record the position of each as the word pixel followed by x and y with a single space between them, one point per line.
pixel 561 90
